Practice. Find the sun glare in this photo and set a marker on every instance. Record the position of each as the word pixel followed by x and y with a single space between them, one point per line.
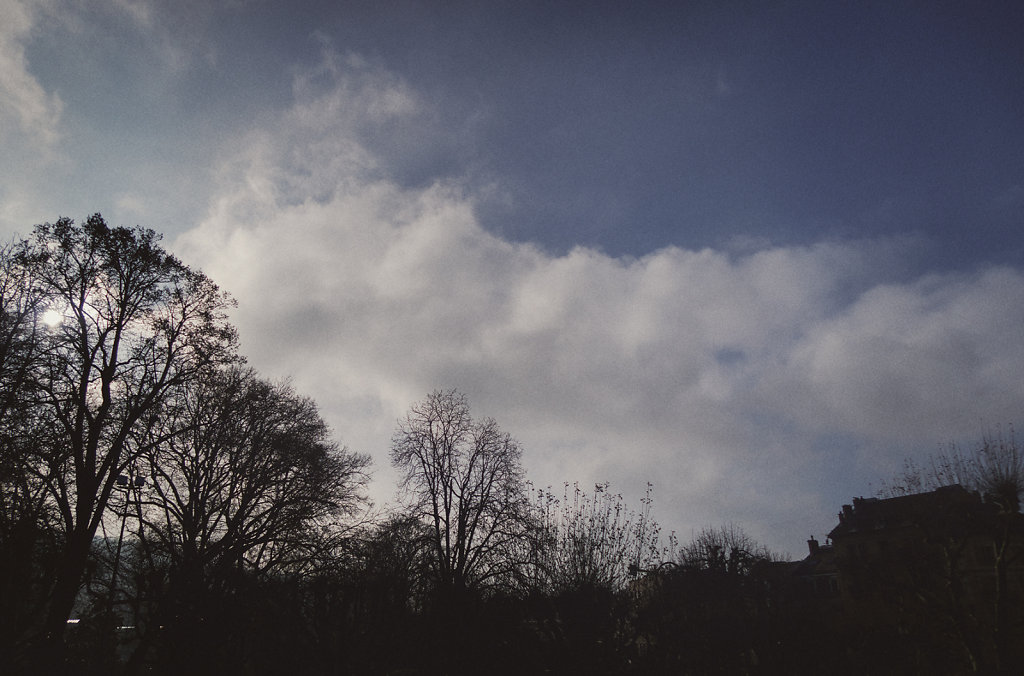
pixel 52 318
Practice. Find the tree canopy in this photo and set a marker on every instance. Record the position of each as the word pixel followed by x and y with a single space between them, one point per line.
pixel 464 478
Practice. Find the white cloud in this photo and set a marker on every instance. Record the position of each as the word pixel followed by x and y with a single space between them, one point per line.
pixel 716 376
pixel 31 119
pixel 27 107
pixel 932 357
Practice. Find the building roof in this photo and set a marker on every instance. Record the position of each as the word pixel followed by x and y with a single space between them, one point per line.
pixel 938 507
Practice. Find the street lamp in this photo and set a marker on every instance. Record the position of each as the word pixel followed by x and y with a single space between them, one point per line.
pixel 126 483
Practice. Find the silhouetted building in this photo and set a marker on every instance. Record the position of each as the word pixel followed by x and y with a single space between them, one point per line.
pixel 813 580
pixel 944 569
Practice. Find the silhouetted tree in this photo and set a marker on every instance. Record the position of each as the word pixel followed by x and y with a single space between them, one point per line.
pixel 252 478
pixel 244 489
pixel 701 613
pixel 584 550
pixel 27 524
pixel 134 323
pixel 368 600
pixel 464 479
pixel 727 550
pixel 591 541
pixel 994 469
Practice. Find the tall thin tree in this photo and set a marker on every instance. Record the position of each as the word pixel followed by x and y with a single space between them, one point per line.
pixel 464 479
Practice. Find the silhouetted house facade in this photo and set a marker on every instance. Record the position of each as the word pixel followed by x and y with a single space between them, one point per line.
pixel 931 583
pixel 810 582
pixel 817 576
pixel 942 570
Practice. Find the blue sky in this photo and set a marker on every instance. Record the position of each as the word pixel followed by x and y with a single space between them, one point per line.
pixel 754 253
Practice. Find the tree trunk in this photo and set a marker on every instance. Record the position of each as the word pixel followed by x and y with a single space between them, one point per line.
pixel 62 601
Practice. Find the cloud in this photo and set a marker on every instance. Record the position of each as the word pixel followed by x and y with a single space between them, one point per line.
pixel 114 106
pixel 762 386
pixel 931 357
pixel 140 11
pixel 31 118
pixel 177 31
pixel 27 107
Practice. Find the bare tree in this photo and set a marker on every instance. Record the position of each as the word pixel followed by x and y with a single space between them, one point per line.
pixel 251 480
pixel 22 330
pixel 133 323
pixel 26 524
pixel 591 541
pixel 726 549
pixel 242 486
pixel 464 479
pixel 994 469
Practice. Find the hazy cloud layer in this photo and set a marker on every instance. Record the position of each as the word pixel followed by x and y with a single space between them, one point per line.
pixel 30 116
pixel 102 109
pixel 28 108
pixel 763 387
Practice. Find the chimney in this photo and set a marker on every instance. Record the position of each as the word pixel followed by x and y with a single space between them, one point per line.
pixel 812 546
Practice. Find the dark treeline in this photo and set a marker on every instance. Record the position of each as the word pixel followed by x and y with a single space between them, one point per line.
pixel 188 516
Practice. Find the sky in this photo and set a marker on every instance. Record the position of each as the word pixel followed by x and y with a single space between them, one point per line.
pixel 755 254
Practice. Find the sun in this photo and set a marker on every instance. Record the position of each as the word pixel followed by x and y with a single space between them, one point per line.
pixel 52 318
